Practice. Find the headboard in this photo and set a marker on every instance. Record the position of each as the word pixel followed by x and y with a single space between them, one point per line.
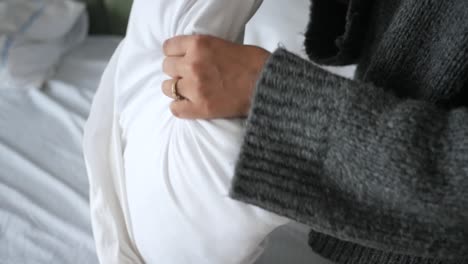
pixel 108 16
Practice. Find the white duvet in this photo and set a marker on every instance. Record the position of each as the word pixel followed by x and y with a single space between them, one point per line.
pixel 159 185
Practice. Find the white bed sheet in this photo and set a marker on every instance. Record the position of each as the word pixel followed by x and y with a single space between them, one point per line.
pixel 44 212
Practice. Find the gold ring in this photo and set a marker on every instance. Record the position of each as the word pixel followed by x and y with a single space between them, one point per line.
pixel 175 94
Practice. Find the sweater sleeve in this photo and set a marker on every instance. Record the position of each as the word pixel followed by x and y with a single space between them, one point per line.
pixel 337 30
pixel 356 162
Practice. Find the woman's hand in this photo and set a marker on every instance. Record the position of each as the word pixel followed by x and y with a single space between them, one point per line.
pixel 216 78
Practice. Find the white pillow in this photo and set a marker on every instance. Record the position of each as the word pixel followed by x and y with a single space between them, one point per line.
pixel 159 185
pixel 33 37
pixel 178 172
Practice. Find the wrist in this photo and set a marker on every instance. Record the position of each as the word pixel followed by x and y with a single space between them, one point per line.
pixel 258 58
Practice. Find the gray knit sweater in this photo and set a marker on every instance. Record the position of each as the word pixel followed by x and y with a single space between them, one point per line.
pixel 376 166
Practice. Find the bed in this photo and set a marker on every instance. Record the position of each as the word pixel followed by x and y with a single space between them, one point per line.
pixel 44 214
pixel 44 211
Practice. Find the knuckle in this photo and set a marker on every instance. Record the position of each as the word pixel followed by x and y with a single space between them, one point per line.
pixel 200 42
pixel 196 68
pixel 165 45
pixel 197 85
pixel 175 112
pixel 208 107
pixel 205 95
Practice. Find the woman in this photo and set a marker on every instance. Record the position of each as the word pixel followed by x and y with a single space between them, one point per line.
pixel 377 166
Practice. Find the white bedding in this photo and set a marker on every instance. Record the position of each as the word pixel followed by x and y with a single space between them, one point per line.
pixel 34 34
pixel 177 173
pixel 44 211
pixel 159 185
pixel 44 214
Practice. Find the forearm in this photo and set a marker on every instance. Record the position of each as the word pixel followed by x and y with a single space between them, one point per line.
pixel 356 162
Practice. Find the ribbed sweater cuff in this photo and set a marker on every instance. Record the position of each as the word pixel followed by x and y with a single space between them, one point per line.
pixel 286 138
pixel 343 252
pixel 295 110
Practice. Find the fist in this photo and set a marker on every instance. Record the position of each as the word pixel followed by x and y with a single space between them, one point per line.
pixel 211 77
